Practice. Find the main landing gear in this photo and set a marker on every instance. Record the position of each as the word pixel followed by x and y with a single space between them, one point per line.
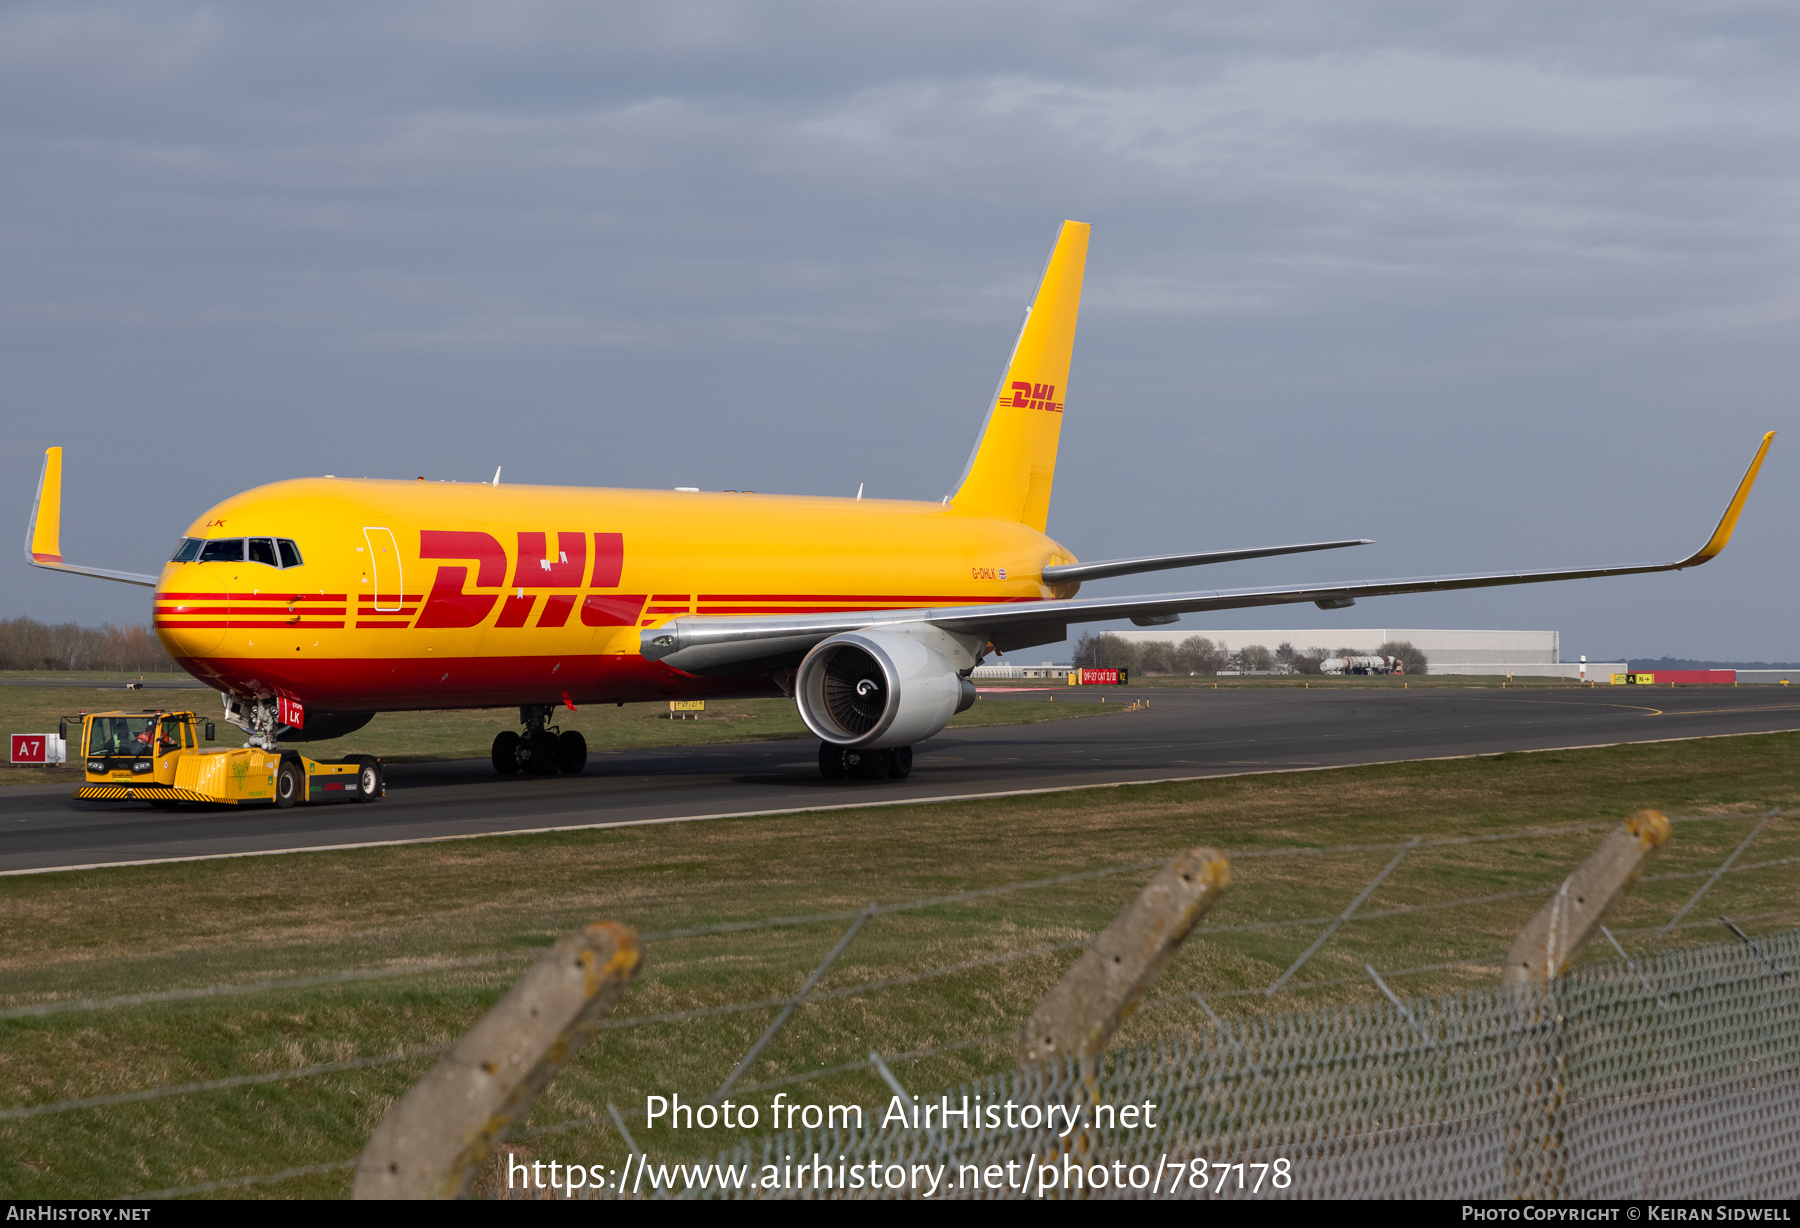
pixel 841 763
pixel 541 750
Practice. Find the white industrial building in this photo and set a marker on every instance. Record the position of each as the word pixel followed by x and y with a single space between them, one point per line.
pixel 1524 654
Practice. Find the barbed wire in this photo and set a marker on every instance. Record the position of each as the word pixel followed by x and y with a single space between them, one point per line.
pixel 37 1010
pixel 1759 865
pixel 210 1085
pixel 908 978
pixel 235 1183
pixel 1711 921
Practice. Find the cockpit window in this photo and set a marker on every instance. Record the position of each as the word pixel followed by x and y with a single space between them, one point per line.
pixel 225 550
pixel 270 551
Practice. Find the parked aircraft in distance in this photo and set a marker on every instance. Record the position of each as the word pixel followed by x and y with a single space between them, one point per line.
pixel 314 603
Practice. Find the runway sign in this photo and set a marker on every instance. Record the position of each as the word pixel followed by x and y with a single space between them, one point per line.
pixel 37 748
pixel 1099 677
pixel 1666 677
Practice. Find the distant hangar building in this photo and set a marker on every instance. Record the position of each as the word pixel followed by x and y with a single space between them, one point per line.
pixel 1524 654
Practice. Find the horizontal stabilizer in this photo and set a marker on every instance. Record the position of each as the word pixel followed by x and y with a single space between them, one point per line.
pixel 1075 573
pixel 43 536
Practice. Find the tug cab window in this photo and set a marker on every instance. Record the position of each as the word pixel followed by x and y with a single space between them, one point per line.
pixel 262 550
pixel 174 735
pixel 121 735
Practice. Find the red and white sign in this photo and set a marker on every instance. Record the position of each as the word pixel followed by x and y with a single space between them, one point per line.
pixel 39 748
pixel 290 712
pixel 1099 677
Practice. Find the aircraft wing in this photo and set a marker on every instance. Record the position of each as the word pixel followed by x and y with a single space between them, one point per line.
pixel 43 536
pixel 719 645
pixel 1076 572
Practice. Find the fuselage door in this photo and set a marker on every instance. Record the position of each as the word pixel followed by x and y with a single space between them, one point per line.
pixel 384 569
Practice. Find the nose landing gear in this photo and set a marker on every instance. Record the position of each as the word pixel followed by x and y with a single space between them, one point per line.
pixel 541 750
pixel 841 763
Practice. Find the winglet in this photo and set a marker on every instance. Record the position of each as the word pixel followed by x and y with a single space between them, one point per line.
pixel 43 538
pixel 1728 521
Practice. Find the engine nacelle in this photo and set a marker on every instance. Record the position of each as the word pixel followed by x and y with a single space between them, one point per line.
pixel 876 689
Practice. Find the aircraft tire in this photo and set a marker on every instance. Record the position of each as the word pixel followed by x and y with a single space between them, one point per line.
pixel 506 752
pixel 873 764
pixel 831 761
pixel 900 761
pixel 290 783
pixel 573 748
pixel 546 754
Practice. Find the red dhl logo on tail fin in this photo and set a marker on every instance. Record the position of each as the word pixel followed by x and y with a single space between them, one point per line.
pixel 1026 395
pixel 450 605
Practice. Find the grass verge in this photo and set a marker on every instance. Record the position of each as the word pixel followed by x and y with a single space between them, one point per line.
pixel 411 909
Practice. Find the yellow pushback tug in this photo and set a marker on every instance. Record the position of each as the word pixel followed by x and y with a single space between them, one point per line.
pixel 155 756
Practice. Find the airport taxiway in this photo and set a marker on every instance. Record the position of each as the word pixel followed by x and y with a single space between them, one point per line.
pixel 1181 734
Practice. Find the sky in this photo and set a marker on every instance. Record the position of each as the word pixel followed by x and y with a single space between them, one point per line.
pixel 1498 285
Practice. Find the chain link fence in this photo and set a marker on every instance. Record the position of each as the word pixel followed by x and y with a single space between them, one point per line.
pixel 1674 1076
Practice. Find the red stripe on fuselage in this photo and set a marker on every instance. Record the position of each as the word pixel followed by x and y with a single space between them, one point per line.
pixel 296 621
pixel 282 597
pixel 402 684
pixel 184 610
pixel 958 599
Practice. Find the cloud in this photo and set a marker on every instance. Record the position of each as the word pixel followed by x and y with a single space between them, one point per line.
pixel 1522 255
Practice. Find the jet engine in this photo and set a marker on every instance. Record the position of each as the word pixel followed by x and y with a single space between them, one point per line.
pixel 875 689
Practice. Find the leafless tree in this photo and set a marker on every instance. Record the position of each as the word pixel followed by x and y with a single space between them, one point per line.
pixel 1252 657
pixel 1156 657
pixel 1415 661
pixel 1106 651
pixel 1198 655
pixel 27 644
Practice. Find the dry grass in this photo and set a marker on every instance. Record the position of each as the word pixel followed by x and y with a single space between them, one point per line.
pixel 117 931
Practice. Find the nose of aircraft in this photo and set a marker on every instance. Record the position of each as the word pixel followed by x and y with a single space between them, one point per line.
pixel 190 623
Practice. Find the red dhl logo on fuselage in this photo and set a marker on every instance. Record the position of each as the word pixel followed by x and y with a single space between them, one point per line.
pixel 450 605
pixel 1026 395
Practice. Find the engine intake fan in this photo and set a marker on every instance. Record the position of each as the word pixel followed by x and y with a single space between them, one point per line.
pixel 876 689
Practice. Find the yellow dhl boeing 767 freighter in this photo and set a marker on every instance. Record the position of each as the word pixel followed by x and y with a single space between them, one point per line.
pixel 312 604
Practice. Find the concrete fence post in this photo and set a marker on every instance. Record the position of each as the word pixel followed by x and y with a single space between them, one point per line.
pixel 435 1136
pixel 1099 993
pixel 1536 1152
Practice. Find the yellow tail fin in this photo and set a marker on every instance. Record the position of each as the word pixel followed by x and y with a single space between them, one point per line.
pixel 1014 461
